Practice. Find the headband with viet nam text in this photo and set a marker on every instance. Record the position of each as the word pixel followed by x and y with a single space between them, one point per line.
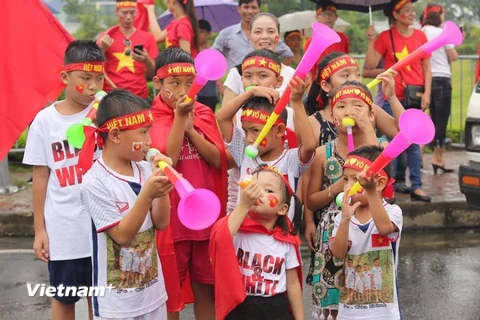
pixel 176 69
pixel 261 62
pixel 93 66
pixel 126 5
pixel 130 121
pixel 337 65
pixel 258 116
pixel 400 4
pixel 352 92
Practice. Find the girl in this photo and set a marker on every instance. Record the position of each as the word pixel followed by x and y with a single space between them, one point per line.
pixel 293 39
pixel 264 34
pixel 262 237
pixel 127 203
pixel 182 31
pixel 441 97
pixel 325 183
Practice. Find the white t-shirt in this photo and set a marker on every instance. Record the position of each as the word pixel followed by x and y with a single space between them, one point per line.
pixel 439 59
pixel 367 278
pixel 377 275
pixel 263 262
pixel 349 277
pixel 288 163
pixel 234 79
pixel 367 245
pixel 108 197
pixel 67 225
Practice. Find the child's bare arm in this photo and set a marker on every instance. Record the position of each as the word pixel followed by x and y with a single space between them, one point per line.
pixel 177 133
pixel 339 244
pixel 294 294
pixel 248 197
pixel 160 212
pixel 39 190
pixel 385 121
pixel 303 128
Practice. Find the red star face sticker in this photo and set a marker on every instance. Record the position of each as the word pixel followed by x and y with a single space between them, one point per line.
pixel 137 146
pixel 80 88
pixel 263 143
pixel 273 200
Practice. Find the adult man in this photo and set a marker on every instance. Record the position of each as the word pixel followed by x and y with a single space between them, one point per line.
pixel 127 67
pixel 234 41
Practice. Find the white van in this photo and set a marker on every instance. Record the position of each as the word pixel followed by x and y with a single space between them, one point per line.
pixel 469 174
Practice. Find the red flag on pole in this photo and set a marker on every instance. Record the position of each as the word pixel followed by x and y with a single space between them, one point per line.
pixel 33 46
pixel 477 73
pixel 141 20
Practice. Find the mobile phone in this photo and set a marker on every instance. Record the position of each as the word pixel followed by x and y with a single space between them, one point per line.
pixel 138 47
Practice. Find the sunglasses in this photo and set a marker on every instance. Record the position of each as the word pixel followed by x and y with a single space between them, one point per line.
pixel 127 44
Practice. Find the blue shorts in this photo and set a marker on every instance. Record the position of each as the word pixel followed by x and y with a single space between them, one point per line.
pixel 70 273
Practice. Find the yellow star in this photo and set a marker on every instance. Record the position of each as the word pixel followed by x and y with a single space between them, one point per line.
pixel 380 240
pixel 402 55
pixel 169 70
pixel 352 61
pixel 124 61
pixel 167 43
pixel 150 116
pixel 263 62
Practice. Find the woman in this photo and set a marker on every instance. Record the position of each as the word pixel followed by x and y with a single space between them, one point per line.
pixel 182 31
pixel 264 34
pixel 393 45
pixel 293 39
pixel 441 98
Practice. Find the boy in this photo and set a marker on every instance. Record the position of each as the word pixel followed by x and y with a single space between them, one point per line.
pixel 127 203
pixel 367 282
pixel 187 132
pixel 291 162
pixel 349 281
pixel 62 228
pixel 377 279
pixel 368 227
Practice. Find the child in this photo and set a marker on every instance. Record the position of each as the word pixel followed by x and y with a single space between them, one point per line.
pixel 262 263
pixel 349 281
pixel 126 260
pixel 258 79
pixel 369 226
pixel 148 263
pixel 62 228
pixel 367 282
pixel 325 182
pixel 187 132
pixel 126 202
pixel 359 283
pixel 377 279
pixel 255 112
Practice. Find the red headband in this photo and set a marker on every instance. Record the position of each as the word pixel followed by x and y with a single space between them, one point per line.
pixel 337 65
pixel 266 167
pixel 359 164
pixel 93 66
pixel 263 63
pixel 400 4
pixel 258 116
pixel 293 34
pixel 127 5
pixel 352 92
pixel 130 121
pixel 176 69
pixel 437 9
pixel 327 8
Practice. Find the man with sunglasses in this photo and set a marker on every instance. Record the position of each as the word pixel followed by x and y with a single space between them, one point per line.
pixel 130 52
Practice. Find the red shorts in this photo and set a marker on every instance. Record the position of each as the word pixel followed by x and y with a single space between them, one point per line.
pixel 194 257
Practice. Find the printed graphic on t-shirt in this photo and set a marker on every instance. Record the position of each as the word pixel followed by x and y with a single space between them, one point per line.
pixel 265 271
pixel 69 175
pixel 134 266
pixel 369 279
pixel 189 152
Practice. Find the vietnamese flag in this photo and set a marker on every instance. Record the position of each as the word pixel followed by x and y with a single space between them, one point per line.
pixel 380 241
pixel 477 73
pixel 141 19
pixel 33 46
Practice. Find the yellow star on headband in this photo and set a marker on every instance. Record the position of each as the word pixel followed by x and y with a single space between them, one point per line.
pixel 263 62
pixel 402 55
pixel 170 70
pixel 124 61
pixel 352 61
pixel 150 116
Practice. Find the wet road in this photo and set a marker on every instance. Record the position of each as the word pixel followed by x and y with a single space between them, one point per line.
pixel 439 277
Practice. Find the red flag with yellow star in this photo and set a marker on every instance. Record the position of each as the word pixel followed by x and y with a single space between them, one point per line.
pixel 379 240
pixel 33 46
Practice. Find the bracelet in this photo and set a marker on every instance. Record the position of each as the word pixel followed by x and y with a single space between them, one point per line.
pixel 329 192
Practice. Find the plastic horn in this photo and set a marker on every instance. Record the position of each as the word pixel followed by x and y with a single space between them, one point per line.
pixel 198 208
pixel 451 34
pixel 349 123
pixel 75 135
pixel 210 65
pixel 323 37
pixel 415 127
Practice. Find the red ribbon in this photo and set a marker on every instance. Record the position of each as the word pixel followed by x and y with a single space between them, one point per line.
pixel 93 66
pixel 176 69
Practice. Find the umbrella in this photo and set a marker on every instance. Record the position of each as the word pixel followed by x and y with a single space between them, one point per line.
pixel 220 14
pixel 303 21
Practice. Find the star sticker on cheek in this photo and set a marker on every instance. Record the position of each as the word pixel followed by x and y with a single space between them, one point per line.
pixel 273 200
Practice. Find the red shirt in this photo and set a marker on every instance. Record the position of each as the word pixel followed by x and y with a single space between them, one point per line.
pixel 342 46
pixel 181 29
pixel 125 72
pixel 413 73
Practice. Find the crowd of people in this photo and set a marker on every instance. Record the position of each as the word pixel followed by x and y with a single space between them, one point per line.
pixel 107 215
